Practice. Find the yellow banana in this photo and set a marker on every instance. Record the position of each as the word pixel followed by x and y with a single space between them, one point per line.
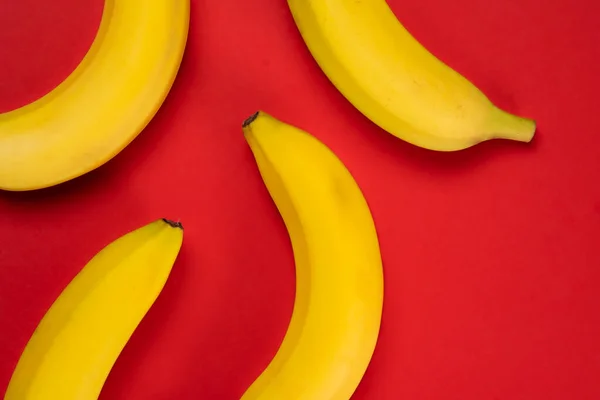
pixel 397 83
pixel 74 347
pixel 339 279
pixel 104 104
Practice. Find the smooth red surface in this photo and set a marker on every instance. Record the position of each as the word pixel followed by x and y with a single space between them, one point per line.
pixel 491 255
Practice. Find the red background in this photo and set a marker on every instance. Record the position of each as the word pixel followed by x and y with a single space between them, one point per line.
pixel 491 255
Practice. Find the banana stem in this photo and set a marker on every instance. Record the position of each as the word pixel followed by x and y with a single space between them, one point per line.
pixel 504 125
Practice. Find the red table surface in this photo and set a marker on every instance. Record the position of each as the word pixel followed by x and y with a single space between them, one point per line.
pixel 491 255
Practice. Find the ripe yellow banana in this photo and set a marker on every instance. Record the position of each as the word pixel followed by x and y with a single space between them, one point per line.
pixel 339 279
pixel 104 104
pixel 397 83
pixel 74 347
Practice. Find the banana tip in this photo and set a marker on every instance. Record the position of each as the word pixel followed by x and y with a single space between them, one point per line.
pixel 250 119
pixel 173 223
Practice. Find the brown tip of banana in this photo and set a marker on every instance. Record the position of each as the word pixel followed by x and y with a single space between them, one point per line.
pixel 173 223
pixel 250 119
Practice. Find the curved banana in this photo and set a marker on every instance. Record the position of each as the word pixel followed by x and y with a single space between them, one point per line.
pixel 74 347
pixel 104 104
pixel 339 279
pixel 397 83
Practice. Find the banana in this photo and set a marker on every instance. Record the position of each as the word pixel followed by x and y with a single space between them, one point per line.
pixel 104 104
pixel 339 279
pixel 72 350
pixel 396 82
